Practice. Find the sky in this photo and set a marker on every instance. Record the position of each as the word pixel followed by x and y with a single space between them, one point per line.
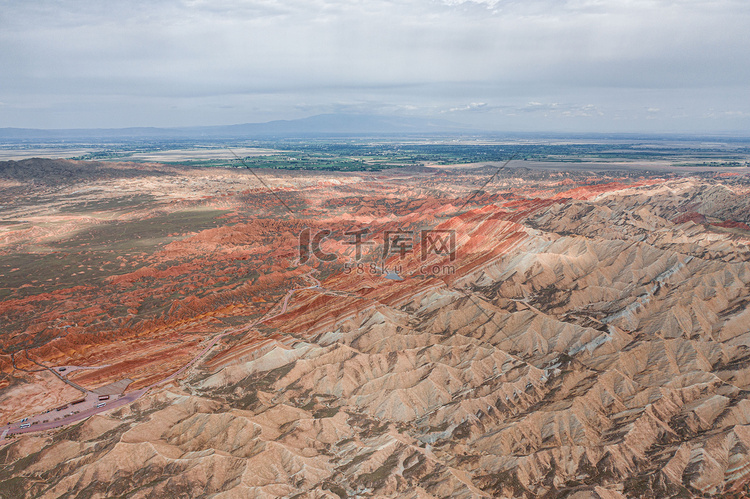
pixel 508 65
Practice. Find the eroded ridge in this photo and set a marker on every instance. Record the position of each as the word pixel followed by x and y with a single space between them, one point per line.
pixel 590 337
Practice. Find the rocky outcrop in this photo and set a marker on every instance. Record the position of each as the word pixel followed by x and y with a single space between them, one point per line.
pixel 588 338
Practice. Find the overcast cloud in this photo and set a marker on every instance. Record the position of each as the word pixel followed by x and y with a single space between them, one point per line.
pixel 575 65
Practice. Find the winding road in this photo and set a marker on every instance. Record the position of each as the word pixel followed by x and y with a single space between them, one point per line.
pixel 15 428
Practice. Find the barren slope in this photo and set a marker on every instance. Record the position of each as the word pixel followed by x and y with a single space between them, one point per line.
pixel 587 339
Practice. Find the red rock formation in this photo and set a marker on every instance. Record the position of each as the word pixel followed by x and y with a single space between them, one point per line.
pixel 585 338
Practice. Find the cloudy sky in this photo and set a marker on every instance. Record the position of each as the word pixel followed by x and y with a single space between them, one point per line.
pixel 541 65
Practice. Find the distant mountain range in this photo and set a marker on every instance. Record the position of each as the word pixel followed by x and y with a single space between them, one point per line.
pixel 323 124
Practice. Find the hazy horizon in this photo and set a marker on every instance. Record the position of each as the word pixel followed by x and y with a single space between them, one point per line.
pixel 577 66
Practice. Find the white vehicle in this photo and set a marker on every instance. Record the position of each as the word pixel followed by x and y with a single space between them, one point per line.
pixel 25 425
pixel 101 405
pixel 24 420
